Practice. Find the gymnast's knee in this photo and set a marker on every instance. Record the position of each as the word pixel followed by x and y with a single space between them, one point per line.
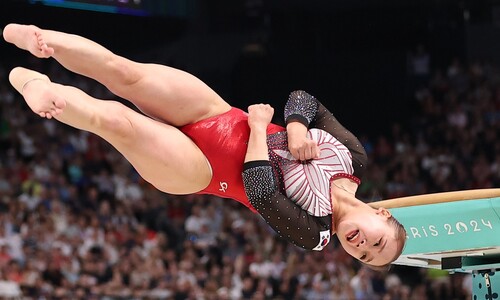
pixel 114 120
pixel 124 72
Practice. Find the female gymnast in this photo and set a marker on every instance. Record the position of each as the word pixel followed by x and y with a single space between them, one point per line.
pixel 301 179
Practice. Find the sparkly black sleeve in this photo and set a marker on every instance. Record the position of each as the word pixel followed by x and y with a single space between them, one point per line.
pixel 300 107
pixel 289 220
pixel 306 109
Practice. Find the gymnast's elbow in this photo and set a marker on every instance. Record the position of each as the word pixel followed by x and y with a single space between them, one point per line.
pixel 260 185
pixel 260 197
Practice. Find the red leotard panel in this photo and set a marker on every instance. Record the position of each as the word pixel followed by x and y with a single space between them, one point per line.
pixel 224 139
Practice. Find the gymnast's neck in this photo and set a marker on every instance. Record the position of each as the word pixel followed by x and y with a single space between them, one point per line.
pixel 342 192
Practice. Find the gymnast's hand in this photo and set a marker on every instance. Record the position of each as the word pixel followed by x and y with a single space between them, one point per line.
pixel 259 116
pixel 299 145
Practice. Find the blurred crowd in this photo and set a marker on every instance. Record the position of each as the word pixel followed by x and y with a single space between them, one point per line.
pixel 77 222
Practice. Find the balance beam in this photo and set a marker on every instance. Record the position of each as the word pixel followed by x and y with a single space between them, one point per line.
pixel 436 198
pixel 456 231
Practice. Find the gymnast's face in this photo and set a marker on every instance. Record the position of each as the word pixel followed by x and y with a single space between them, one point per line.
pixel 367 235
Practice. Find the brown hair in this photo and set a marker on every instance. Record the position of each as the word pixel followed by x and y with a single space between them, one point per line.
pixel 400 237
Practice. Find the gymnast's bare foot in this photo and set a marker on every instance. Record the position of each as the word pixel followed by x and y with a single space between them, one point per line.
pixel 28 37
pixel 43 99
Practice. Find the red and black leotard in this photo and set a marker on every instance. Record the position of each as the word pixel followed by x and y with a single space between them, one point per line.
pixel 224 139
pixel 294 199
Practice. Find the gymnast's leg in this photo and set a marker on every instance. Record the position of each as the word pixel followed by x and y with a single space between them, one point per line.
pixel 167 94
pixel 161 153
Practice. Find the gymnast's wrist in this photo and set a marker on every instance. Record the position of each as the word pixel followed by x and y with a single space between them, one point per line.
pixel 296 131
pixel 259 128
pixel 296 128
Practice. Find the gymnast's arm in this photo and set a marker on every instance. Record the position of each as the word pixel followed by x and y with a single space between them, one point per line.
pixel 283 215
pixel 303 111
